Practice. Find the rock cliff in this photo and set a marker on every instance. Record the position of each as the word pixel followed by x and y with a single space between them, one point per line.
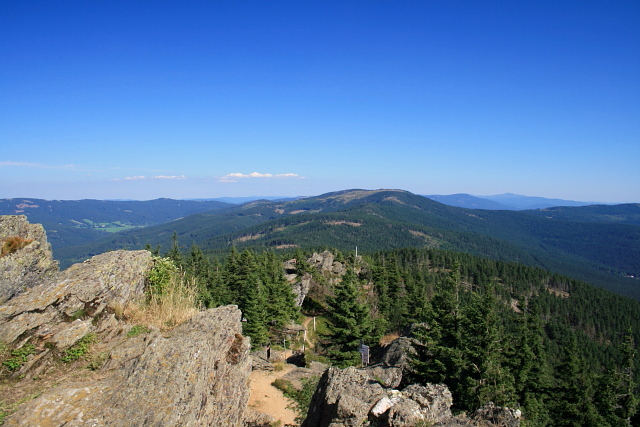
pixel 64 338
pixel 195 375
pixel 25 258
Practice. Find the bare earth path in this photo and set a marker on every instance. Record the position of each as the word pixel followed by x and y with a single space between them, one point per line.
pixel 268 399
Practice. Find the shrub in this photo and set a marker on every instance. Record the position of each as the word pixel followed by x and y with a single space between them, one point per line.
pixel 79 349
pixel 19 357
pixel 12 244
pixel 161 275
pixel 171 298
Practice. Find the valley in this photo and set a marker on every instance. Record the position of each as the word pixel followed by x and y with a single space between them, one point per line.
pixel 596 244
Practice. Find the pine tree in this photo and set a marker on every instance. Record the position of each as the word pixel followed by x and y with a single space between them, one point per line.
pixel 626 397
pixel 281 301
pixel 572 399
pixel 251 297
pixel 487 373
pixel 174 253
pixel 440 357
pixel 350 322
pixel 529 362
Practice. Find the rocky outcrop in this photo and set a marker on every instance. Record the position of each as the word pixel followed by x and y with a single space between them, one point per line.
pixel 351 397
pixel 196 375
pixel 62 310
pixel 348 397
pixel 326 266
pixel 301 288
pixel 325 263
pixel 29 262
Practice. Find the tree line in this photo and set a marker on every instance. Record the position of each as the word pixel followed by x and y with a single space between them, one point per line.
pixel 559 349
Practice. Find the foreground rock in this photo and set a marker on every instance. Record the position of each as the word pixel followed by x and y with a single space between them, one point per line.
pixel 348 397
pixel 351 397
pixel 31 263
pixel 197 375
pixel 63 310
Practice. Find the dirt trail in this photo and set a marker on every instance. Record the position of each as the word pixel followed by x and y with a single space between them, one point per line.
pixel 268 399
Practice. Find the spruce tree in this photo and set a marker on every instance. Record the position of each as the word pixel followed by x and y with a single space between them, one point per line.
pixel 489 377
pixel 349 322
pixel 440 356
pixel 572 400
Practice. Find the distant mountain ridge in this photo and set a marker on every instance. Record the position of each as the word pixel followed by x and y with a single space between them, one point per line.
pixel 73 222
pixel 581 242
pixel 506 201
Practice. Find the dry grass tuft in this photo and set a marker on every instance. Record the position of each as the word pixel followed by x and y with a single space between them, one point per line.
pixel 12 244
pixel 177 303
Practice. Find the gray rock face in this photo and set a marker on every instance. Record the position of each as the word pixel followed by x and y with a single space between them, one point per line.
pixel 397 353
pixel 83 290
pixel 301 288
pixel 30 264
pixel 197 375
pixel 325 263
pixel 498 415
pixel 348 397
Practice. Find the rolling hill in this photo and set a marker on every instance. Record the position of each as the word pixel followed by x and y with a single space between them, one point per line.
pixel 73 222
pixel 598 251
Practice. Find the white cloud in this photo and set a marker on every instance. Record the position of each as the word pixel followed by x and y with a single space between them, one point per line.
pixel 170 177
pixel 233 177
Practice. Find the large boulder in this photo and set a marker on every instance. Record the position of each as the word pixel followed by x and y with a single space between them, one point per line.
pixel 195 375
pixel 84 290
pixel 348 397
pixel 26 259
pixel 343 397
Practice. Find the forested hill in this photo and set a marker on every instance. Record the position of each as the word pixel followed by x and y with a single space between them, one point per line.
pixel 602 253
pixel 617 214
pixel 73 222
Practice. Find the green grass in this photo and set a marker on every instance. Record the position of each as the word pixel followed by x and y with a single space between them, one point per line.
pixel 79 349
pixel 137 330
pixel 19 357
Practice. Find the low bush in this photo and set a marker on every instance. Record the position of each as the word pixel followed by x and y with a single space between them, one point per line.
pixel 79 349
pixel 19 357
pixel 171 298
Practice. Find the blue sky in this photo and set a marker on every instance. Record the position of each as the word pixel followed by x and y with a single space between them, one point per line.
pixel 147 99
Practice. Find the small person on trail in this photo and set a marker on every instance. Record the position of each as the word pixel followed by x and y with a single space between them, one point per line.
pixel 269 351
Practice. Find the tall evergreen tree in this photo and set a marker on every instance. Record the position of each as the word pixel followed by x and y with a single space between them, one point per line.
pixel 350 321
pixel 440 357
pixel 485 347
pixel 572 399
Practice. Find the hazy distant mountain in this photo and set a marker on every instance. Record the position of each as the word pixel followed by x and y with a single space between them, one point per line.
pixel 507 201
pixel 242 200
pixel 598 251
pixel 520 202
pixel 628 213
pixel 463 200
